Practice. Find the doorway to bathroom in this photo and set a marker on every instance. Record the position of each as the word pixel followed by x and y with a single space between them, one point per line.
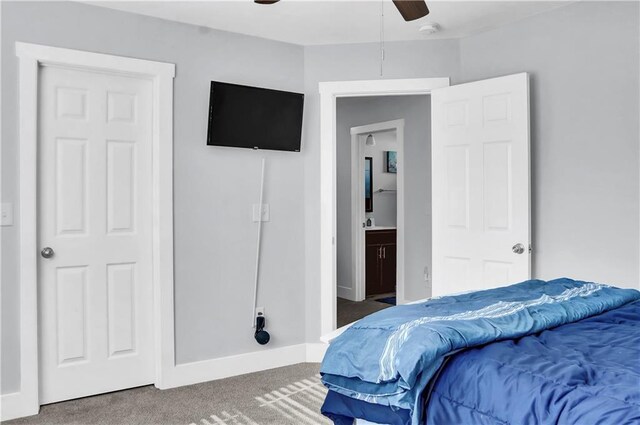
pixel 377 162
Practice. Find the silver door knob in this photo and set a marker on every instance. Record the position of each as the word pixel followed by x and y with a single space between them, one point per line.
pixel 47 252
pixel 518 248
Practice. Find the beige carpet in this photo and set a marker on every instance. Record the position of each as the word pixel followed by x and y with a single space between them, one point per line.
pixel 289 395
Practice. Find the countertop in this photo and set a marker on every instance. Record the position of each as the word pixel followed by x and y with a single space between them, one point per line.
pixel 380 228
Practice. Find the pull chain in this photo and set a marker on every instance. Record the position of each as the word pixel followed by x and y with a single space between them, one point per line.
pixel 381 38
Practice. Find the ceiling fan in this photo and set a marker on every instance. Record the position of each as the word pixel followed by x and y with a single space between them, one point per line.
pixel 409 9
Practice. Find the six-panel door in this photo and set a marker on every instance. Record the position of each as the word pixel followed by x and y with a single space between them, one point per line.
pixel 94 212
pixel 481 184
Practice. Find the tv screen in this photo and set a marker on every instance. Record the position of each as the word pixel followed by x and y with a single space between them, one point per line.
pixel 256 118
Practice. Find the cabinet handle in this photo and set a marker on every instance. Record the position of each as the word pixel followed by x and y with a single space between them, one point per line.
pixel 384 252
pixel 380 252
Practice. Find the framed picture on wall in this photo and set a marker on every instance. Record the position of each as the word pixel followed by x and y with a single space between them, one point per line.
pixel 368 184
pixel 391 162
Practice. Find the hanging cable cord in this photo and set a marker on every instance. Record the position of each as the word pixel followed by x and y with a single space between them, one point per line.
pixel 258 244
pixel 381 38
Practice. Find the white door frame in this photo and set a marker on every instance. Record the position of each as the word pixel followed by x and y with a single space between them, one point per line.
pixel 31 58
pixel 329 92
pixel 358 210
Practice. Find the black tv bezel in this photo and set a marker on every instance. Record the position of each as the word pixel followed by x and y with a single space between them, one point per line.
pixel 210 117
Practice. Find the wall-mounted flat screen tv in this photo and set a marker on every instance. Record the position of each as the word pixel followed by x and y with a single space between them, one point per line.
pixel 255 118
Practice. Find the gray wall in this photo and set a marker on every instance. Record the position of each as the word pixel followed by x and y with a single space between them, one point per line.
pixel 416 111
pixel 584 64
pixel 213 187
pixel 415 59
pixel 583 61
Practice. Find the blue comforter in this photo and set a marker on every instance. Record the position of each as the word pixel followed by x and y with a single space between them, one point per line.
pixel 586 372
pixel 384 363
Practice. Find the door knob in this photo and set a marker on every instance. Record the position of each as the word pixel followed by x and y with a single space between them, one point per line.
pixel 47 252
pixel 518 248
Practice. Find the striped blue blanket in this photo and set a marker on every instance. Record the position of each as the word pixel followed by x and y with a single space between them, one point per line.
pixel 389 358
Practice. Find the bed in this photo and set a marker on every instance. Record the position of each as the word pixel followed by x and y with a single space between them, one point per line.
pixel 562 351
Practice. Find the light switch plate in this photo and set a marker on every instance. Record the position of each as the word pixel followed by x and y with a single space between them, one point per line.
pixel 260 213
pixel 7 214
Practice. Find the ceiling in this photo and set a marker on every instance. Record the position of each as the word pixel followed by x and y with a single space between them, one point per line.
pixel 309 22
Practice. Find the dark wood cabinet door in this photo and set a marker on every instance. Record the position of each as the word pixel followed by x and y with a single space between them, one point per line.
pixel 381 262
pixel 372 270
pixel 388 265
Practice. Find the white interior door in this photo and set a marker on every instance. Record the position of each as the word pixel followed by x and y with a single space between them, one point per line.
pixel 94 213
pixel 481 184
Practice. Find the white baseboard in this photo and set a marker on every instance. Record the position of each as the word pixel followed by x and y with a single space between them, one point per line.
pixel 315 351
pixel 224 367
pixel 15 405
pixel 346 292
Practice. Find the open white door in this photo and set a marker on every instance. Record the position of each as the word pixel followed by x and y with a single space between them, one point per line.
pixel 481 184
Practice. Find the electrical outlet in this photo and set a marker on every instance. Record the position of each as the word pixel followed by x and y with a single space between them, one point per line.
pixel 426 274
pixel 260 214
pixel 7 214
pixel 259 311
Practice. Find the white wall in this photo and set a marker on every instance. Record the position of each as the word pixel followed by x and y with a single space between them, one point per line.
pixel 213 187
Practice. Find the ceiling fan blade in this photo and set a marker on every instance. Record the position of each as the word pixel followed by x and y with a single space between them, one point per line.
pixel 412 9
pixel 266 1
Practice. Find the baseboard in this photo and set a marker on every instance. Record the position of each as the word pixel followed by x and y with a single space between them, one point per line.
pixel 256 361
pixel 346 292
pixel 16 405
pixel 315 351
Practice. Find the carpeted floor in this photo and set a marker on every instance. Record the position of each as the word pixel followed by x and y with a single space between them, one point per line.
pixel 350 311
pixel 289 395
